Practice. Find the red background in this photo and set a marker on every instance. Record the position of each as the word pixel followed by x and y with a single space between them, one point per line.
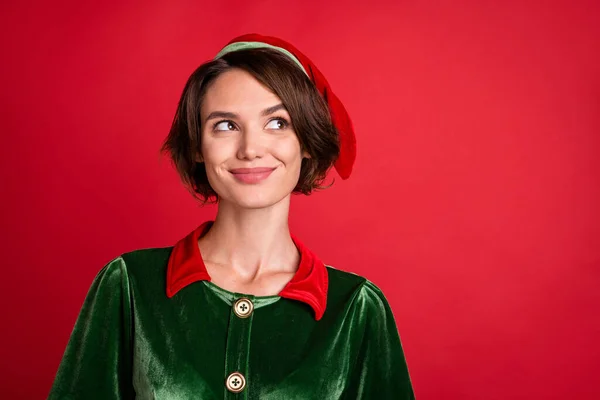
pixel 474 204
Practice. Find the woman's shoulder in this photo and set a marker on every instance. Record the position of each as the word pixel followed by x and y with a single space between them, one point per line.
pixel 135 262
pixel 147 257
pixel 338 277
pixel 350 287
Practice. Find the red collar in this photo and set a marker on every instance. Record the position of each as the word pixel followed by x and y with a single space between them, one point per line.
pixel 308 285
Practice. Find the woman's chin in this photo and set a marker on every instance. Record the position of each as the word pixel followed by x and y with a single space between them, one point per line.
pixel 256 199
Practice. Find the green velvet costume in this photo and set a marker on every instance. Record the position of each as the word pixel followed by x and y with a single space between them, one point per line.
pixel 153 326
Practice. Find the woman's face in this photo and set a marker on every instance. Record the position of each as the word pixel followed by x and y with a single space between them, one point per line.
pixel 251 152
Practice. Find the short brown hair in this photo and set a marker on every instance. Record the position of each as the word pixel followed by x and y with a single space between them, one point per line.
pixel 307 108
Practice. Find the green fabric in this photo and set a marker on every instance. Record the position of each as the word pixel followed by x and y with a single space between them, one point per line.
pixel 131 341
pixel 258 45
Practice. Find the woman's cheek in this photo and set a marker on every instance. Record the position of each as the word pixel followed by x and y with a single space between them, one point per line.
pixel 288 150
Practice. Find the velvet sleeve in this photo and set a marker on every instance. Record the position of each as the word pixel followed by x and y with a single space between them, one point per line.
pixel 97 361
pixel 380 370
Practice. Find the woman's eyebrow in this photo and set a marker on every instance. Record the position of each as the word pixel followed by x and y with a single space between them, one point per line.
pixel 221 114
pixel 271 110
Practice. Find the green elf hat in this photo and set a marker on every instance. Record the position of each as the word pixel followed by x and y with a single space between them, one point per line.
pixel 339 115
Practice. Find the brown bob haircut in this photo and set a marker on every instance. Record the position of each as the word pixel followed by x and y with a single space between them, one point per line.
pixel 307 109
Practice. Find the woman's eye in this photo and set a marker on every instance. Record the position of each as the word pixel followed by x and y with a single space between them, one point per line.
pixel 277 123
pixel 224 126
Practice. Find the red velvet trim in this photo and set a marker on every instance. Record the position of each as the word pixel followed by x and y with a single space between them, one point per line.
pixel 338 112
pixel 308 285
pixel 185 262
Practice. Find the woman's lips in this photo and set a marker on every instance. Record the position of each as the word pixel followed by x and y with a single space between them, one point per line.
pixel 251 175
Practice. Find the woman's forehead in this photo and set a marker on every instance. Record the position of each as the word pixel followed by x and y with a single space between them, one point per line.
pixel 240 90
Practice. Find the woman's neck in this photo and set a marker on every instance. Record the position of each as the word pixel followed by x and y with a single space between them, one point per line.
pixel 250 243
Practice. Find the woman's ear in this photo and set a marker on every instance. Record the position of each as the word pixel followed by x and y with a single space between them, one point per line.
pixel 199 158
pixel 305 154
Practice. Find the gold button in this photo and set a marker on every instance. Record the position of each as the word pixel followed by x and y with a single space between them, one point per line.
pixel 235 382
pixel 243 307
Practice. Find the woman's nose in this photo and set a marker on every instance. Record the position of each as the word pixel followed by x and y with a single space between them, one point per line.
pixel 251 144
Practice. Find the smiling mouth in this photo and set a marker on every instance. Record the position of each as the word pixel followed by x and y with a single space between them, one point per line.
pixel 251 175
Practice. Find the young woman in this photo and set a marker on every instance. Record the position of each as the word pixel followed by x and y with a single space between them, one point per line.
pixel 240 308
